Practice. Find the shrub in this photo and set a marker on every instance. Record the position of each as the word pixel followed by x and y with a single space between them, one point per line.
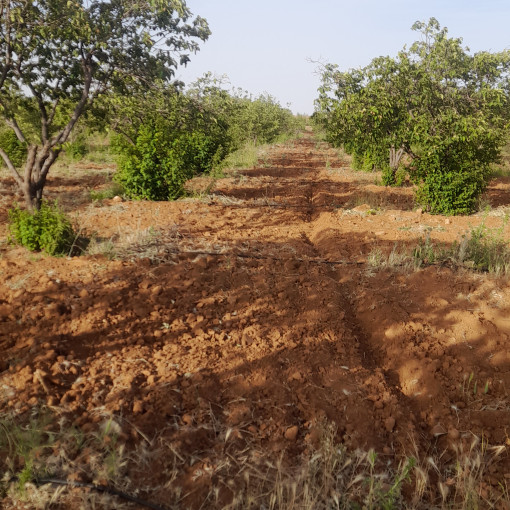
pixel 47 230
pixel 156 167
pixel 451 179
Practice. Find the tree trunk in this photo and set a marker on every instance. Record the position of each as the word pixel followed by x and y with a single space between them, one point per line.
pixel 395 157
pixel 39 161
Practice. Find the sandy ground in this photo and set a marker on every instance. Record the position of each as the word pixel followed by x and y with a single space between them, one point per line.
pixel 243 321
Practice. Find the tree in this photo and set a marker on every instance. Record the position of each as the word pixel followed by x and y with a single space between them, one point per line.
pixel 59 56
pixel 174 134
pixel 436 106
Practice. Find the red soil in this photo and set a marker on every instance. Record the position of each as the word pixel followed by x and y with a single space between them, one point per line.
pixel 255 311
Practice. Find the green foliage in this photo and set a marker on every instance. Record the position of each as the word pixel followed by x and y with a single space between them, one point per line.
pixel 436 107
pixel 60 56
pixel 166 139
pixel 77 148
pixel 48 229
pixel 153 168
pixel 484 248
pixel 454 188
pixel 15 150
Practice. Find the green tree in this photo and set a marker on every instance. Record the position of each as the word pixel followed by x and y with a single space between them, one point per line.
pixel 59 56
pixel 170 136
pixel 436 106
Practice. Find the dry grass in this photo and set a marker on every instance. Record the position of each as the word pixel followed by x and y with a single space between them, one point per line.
pixel 398 259
pixel 326 477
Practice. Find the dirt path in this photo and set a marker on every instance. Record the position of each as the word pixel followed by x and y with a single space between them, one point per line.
pixel 239 326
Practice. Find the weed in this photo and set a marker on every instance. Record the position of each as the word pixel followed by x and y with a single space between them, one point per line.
pixel 105 247
pixel 115 189
pixel 485 249
pixel 426 252
pixel 44 449
pixel 398 258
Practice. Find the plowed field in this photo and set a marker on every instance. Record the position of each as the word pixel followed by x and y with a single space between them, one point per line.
pixel 211 335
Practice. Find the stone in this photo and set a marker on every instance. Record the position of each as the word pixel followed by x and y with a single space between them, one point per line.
pixel 291 433
pixel 438 430
pixel 453 433
pixel 389 423
pixel 137 407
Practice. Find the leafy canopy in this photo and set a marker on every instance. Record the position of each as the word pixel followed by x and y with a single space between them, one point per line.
pixel 58 56
pixel 436 107
pixel 168 137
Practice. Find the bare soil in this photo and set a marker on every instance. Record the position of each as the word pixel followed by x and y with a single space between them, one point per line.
pixel 241 322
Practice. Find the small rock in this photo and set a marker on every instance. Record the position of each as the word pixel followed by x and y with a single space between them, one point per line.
pixel 137 407
pixel 246 340
pixel 387 450
pixel 117 199
pixel 448 221
pixel 84 293
pixel 453 433
pixel 187 419
pixel 52 401
pixel 438 430
pixel 389 423
pixel 291 433
pixel 156 290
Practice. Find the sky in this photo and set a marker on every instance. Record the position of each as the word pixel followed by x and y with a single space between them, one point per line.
pixel 265 46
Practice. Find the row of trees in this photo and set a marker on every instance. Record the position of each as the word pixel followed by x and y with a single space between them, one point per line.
pixel 70 65
pixel 111 64
pixel 167 137
pixel 435 113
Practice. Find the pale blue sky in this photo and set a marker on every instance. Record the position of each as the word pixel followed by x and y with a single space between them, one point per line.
pixel 263 45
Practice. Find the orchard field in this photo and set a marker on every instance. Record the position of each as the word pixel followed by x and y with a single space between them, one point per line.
pixel 299 337
pixel 208 302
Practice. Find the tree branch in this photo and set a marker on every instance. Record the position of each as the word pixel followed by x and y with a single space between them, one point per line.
pixel 11 167
pixel 47 164
pixel 11 122
pixel 64 134
pixel 29 164
pixel 44 113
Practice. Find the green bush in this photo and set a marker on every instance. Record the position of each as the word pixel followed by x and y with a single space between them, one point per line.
pixel 16 150
pixel 47 230
pixel 192 133
pixel 156 167
pixel 451 184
